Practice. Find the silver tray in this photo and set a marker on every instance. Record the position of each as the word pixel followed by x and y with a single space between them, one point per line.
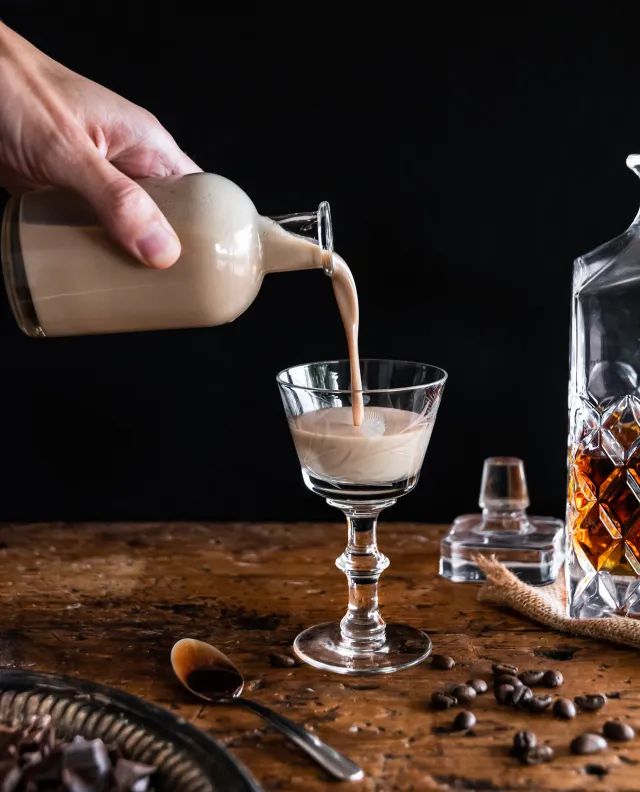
pixel 187 759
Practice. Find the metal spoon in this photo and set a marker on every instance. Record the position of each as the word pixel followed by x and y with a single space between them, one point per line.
pixel 209 674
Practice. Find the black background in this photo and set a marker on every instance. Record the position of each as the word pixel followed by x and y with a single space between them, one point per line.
pixel 468 158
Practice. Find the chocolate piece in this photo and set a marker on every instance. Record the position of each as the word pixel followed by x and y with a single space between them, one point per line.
pixel 85 765
pixel 31 758
pixel 133 776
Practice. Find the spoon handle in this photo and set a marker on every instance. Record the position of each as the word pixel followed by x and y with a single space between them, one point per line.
pixel 333 762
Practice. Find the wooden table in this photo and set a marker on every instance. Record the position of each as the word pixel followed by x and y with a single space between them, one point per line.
pixel 105 602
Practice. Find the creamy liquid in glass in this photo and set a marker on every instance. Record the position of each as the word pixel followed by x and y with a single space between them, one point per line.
pixel 388 446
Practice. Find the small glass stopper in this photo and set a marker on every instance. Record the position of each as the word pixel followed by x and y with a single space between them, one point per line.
pixel 504 485
pixel 531 547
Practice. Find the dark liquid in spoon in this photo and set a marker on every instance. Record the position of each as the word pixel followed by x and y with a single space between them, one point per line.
pixel 214 682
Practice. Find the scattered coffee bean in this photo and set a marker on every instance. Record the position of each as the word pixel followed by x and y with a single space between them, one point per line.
pixel 504 668
pixel 523 741
pixel 531 678
pixel 503 693
pixel 442 701
pixel 443 662
pixel 281 661
pixel 552 679
pixel 587 744
pixel 508 679
pixel 479 685
pixel 539 704
pixel 591 702
pixel 537 755
pixel 596 770
pixel 464 720
pixel 618 731
pixel 520 696
pixel 464 693
pixel 564 708
pixel 412 645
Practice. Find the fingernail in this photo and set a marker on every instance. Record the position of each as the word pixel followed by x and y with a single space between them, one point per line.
pixel 160 247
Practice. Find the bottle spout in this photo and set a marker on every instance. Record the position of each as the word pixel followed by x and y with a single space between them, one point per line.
pixel 298 241
pixel 633 163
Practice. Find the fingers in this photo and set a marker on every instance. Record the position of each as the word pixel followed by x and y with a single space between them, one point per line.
pixel 128 213
pixel 184 164
pixel 174 159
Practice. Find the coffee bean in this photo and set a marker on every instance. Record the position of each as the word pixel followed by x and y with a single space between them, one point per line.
pixel 504 668
pixel 618 731
pixel 552 679
pixel 539 704
pixel 442 701
pixel 508 679
pixel 587 744
pixel 531 678
pixel 464 720
pixel 523 741
pixel 479 685
pixel 597 770
pixel 281 660
pixel 443 662
pixel 537 755
pixel 564 708
pixel 591 702
pixel 412 645
pixel 521 696
pixel 464 693
pixel 503 693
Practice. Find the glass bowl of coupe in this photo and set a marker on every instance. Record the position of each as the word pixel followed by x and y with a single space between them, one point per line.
pixel 362 449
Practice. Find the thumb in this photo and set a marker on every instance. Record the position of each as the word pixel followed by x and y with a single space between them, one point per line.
pixel 128 213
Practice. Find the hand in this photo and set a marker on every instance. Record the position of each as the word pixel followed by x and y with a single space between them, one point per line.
pixel 60 129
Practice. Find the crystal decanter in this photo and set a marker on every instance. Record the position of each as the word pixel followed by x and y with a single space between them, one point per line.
pixel 603 505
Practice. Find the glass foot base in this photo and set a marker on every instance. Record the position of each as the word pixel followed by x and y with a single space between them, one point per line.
pixel 535 555
pixel 322 647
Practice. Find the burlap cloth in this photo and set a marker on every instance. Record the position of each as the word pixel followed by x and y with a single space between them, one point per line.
pixel 546 605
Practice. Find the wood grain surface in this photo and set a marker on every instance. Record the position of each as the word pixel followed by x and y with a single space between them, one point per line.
pixel 106 602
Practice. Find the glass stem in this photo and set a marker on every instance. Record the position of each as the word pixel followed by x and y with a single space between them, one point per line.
pixel 362 628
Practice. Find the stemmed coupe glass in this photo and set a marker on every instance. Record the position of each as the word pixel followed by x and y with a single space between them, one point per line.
pixel 362 470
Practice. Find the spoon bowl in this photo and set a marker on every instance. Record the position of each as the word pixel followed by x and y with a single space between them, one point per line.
pixel 207 673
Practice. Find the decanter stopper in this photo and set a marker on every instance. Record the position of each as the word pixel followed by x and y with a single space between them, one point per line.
pixel 531 547
pixel 504 485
